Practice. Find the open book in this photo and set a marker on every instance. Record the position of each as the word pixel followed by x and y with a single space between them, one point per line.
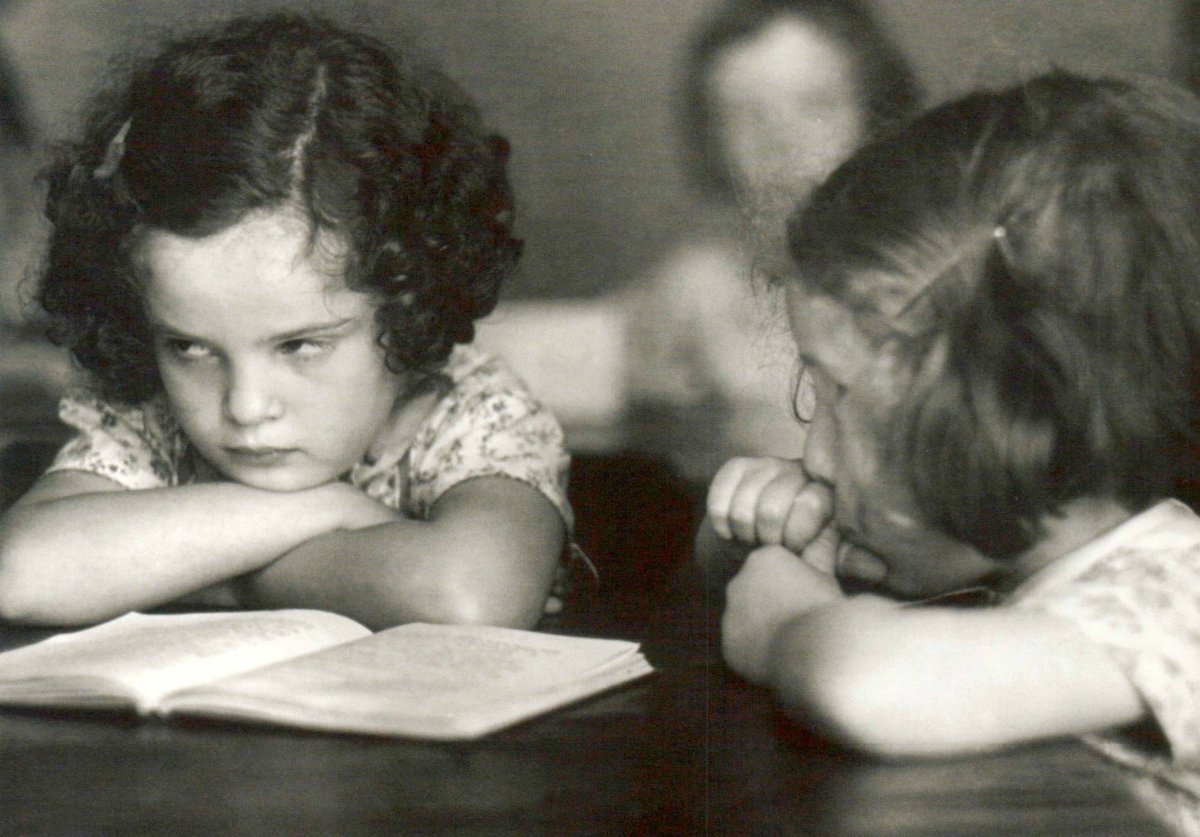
pixel 317 670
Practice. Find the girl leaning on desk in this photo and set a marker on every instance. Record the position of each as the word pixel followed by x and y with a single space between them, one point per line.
pixel 999 309
pixel 268 249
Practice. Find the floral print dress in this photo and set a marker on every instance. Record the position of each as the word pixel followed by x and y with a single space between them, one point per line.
pixel 1135 591
pixel 486 424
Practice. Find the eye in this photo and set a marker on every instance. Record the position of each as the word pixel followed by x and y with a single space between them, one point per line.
pixel 305 348
pixel 184 349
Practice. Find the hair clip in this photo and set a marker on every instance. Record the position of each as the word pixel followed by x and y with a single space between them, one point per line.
pixel 1003 243
pixel 901 322
pixel 113 154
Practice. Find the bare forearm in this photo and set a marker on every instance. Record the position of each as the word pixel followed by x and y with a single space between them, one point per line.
pixel 91 556
pixel 935 681
pixel 485 559
pixel 399 572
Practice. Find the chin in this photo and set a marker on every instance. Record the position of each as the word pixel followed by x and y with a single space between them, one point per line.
pixel 284 482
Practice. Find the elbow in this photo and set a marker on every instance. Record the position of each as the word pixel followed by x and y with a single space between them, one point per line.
pixel 21 601
pixel 500 592
pixel 16 606
pixel 506 586
pixel 471 609
pixel 27 595
pixel 466 599
pixel 26 600
pixel 23 598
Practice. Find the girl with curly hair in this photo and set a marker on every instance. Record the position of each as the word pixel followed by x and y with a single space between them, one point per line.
pixel 268 251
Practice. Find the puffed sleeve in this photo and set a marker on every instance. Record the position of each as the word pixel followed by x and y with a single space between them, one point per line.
pixel 134 446
pixel 1142 605
pixel 490 425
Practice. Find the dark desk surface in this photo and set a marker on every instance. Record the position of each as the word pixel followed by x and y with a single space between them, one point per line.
pixel 690 751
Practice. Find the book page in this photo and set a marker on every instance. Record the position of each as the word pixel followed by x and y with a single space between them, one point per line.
pixel 149 655
pixel 433 681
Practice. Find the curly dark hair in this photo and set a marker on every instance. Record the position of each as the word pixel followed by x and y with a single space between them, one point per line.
pixel 272 112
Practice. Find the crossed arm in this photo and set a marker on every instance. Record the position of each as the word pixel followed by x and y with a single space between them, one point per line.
pixel 879 675
pixel 78 548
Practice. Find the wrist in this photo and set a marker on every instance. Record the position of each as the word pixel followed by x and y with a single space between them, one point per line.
pixel 331 503
pixel 314 511
pixel 297 515
pixel 804 641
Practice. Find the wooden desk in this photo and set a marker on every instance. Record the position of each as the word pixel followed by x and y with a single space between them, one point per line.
pixel 691 751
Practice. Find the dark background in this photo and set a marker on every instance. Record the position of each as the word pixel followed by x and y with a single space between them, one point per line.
pixel 585 89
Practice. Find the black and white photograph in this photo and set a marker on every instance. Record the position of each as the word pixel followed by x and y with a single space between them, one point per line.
pixel 494 418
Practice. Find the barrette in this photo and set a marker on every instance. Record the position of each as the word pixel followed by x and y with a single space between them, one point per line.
pixel 113 154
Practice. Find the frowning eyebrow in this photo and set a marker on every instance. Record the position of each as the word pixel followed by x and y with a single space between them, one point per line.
pixel 332 326
pixel 161 328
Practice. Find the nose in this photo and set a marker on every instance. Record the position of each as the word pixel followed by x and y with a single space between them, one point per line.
pixel 250 398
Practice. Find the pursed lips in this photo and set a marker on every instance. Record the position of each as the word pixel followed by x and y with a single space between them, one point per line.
pixel 258 455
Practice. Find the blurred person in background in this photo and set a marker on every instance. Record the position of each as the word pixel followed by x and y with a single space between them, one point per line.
pixel 776 93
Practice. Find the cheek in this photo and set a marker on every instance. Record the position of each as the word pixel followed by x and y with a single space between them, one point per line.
pixel 359 381
pixel 843 130
pixel 858 445
pixel 187 390
pixel 866 485
pixel 366 362
pixel 876 490
pixel 737 137
pixel 194 403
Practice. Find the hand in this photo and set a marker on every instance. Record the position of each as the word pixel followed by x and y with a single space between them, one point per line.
pixel 764 501
pixel 773 587
pixel 557 597
pixel 767 501
pixel 355 508
pixel 888 543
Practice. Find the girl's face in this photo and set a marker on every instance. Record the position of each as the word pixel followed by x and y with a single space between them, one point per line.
pixel 271 367
pixel 856 391
pixel 788 106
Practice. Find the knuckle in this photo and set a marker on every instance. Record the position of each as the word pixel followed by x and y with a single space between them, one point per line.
pixel 813 501
pixel 734 469
pixel 773 510
pixel 716 509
